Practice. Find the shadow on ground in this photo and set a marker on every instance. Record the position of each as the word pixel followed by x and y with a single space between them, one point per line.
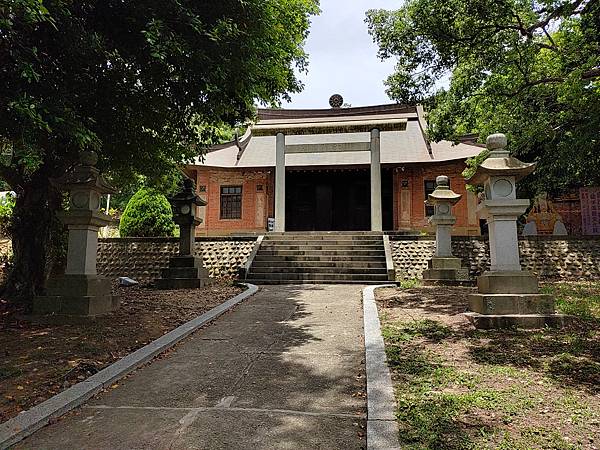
pixel 285 369
pixel 458 386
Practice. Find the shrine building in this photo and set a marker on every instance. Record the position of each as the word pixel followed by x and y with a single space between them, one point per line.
pixel 339 169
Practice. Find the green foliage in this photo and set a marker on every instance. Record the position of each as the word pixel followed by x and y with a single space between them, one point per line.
pixel 147 214
pixel 406 331
pixel 148 85
pixel 472 165
pixel 577 299
pixel 528 69
pixel 7 205
pixel 409 283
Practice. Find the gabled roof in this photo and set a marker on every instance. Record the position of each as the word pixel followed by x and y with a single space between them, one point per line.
pixel 403 139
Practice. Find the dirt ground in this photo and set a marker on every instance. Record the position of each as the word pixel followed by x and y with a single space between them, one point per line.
pixel 462 388
pixel 38 361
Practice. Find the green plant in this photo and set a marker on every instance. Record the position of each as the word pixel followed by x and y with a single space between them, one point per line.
pixel 147 214
pixel 7 205
pixel 409 283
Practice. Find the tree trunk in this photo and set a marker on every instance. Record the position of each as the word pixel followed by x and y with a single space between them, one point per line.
pixel 36 236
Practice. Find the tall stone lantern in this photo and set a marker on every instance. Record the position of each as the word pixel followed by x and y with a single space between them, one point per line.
pixel 443 268
pixel 80 291
pixel 185 270
pixel 507 296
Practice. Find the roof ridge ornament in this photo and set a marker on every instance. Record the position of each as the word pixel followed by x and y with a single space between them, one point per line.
pixel 336 101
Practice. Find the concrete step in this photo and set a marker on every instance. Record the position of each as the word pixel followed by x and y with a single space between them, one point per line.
pixel 323 238
pixel 316 277
pixel 345 253
pixel 340 264
pixel 262 281
pixel 345 242
pixel 350 257
pixel 320 270
pixel 292 234
pixel 287 246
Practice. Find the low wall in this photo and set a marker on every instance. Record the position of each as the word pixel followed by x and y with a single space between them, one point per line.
pixel 142 258
pixel 548 257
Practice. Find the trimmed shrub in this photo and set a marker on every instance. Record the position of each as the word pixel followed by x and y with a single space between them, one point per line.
pixel 147 214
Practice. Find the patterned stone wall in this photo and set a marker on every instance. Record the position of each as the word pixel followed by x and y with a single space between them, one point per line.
pixel 546 256
pixel 142 258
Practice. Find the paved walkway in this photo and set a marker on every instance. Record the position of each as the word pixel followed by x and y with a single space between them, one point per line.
pixel 284 370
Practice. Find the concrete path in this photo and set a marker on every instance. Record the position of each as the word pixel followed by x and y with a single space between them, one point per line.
pixel 284 370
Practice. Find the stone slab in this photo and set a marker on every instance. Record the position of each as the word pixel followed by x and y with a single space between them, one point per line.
pixel 72 305
pixel 382 435
pixel 381 403
pixel 526 321
pixel 179 283
pixel 438 262
pixel 302 382
pixel 463 283
pixel 515 282
pixel 511 304
pixel 33 419
pixel 213 428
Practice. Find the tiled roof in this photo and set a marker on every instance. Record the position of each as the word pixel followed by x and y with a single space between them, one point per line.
pixel 404 143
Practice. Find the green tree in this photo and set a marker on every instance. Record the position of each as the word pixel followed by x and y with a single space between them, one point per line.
pixel 529 69
pixel 147 84
pixel 147 214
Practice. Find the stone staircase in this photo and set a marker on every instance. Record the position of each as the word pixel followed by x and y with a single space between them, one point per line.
pixel 320 258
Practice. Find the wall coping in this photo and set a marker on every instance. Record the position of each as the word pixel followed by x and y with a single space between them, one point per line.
pixel 176 240
pixel 486 238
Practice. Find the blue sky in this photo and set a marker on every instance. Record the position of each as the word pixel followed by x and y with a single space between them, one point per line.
pixel 343 58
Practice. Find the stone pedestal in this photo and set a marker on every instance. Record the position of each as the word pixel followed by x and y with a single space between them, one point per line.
pixel 77 295
pixel 506 296
pixel 446 271
pixel 185 270
pixel 444 268
pixel 508 299
pixel 80 291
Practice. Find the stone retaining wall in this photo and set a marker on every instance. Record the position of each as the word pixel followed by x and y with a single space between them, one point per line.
pixel 547 256
pixel 142 258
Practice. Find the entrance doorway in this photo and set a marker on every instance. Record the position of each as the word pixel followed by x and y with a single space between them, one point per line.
pixel 329 200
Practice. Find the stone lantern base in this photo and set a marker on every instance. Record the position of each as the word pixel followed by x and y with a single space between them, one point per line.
pixel 76 295
pixel 446 271
pixel 512 300
pixel 184 272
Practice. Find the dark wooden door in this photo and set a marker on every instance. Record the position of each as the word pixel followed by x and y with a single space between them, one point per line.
pixel 328 201
pixel 323 207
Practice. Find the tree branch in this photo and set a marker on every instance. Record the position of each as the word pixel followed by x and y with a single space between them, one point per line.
pixel 568 8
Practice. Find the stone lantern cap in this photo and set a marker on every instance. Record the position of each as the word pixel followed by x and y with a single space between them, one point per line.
pixel 84 175
pixel 499 163
pixel 443 193
pixel 187 195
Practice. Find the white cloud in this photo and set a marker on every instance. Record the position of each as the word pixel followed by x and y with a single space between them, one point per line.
pixel 343 58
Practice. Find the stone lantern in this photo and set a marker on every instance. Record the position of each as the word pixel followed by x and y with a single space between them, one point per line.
pixel 185 270
pixel 507 296
pixel 443 268
pixel 80 291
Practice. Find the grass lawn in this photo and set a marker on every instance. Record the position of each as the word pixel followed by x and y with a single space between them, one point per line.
pixel 462 388
pixel 39 360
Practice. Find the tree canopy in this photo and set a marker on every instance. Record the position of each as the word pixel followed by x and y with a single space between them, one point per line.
pixel 146 84
pixel 528 69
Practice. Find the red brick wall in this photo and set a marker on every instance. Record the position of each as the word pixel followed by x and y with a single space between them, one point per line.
pixel 258 206
pixel 409 184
